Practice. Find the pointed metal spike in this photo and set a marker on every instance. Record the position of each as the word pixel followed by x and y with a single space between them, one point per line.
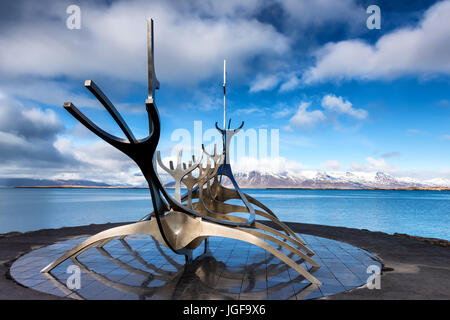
pixel 153 82
pixel 180 154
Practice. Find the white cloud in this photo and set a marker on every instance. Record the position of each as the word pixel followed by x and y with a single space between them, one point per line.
pixel 98 154
pixel 264 82
pixel 98 161
pixel 290 84
pixel 11 140
pixel 376 163
pixel 422 50
pixel 373 164
pixel 339 105
pixel 30 123
pixel 390 154
pixel 247 111
pixel 205 100
pixel 332 164
pixel 27 136
pixel 42 118
pixel 414 131
pixel 282 113
pixel 48 92
pixel 270 165
pixel 307 14
pixel 304 119
pixel 112 41
pixel 356 166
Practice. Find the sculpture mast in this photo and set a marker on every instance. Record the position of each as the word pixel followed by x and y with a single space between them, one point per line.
pixel 153 82
pixel 224 90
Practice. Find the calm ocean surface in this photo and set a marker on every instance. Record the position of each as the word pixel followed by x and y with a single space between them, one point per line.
pixel 421 213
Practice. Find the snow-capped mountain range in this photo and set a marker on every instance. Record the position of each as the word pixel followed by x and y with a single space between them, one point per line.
pixel 339 180
pixel 267 179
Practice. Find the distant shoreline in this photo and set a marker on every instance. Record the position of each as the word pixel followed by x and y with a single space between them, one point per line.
pixel 77 187
pixel 267 188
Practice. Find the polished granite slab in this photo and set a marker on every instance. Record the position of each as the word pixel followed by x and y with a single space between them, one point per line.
pixel 138 267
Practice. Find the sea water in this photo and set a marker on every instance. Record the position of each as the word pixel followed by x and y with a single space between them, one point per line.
pixel 420 213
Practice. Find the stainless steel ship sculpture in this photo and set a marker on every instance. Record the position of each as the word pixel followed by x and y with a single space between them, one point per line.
pixel 183 222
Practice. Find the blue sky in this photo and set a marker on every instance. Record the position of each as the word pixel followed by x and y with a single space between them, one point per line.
pixel 343 97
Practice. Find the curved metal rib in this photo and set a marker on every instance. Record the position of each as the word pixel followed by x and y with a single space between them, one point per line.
pixel 135 270
pixel 228 208
pixel 233 130
pixel 110 108
pixel 259 226
pixel 190 181
pixel 178 172
pixel 109 138
pixel 145 227
pixel 142 292
pixel 223 194
pixel 210 229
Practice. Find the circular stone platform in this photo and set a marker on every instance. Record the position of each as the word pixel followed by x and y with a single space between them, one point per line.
pixel 138 267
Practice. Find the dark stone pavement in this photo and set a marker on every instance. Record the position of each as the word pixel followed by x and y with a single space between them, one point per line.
pixel 412 269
